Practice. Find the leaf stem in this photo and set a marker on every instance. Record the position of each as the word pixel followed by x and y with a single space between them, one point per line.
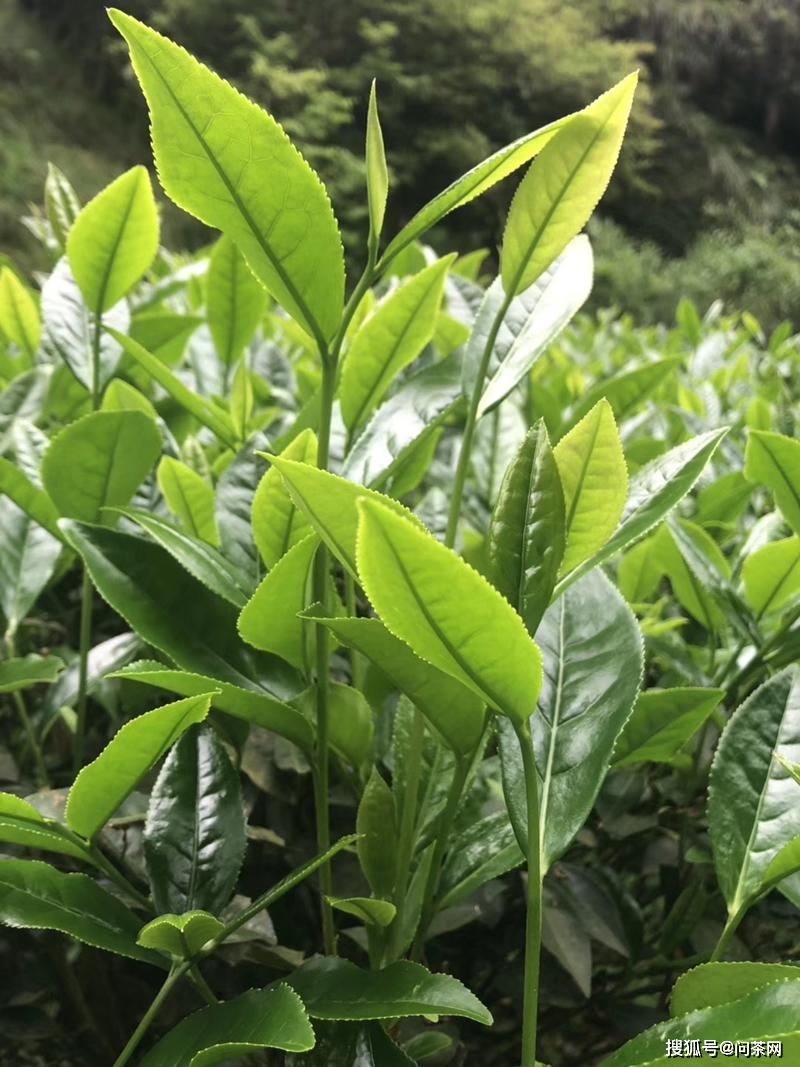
pixel 469 427
pixel 730 928
pixel 87 596
pixel 533 930
pixel 42 777
pixel 176 972
pixel 443 829
pixel 408 825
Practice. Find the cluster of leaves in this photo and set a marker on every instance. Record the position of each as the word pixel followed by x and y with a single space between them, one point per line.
pixel 482 582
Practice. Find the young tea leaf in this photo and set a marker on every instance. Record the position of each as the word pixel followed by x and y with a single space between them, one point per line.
pixel 103 785
pixel 235 301
pixel 419 588
pixel 557 196
pixel 114 240
pixel 224 160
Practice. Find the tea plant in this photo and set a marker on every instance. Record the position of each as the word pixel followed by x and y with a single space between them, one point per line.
pixel 423 546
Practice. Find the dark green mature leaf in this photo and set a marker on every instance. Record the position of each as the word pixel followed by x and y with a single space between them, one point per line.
pixel 235 301
pixel 391 338
pixel 533 321
pixel 528 529
pixel 419 588
pixel 206 413
pixel 201 560
pixel 452 710
pixel 99 462
pixel 28 557
pixel 258 1019
pixel 29 497
pixel 69 329
pixel 269 620
pixel 592 655
pixel 713 984
pixel 557 196
pixel 234 507
pixel 277 524
pixel 662 722
pixel 352 1045
pixel 35 896
pixel 22 824
pixel 470 185
pixel 114 239
pixel 194 837
pixel 770 1012
pixel 103 785
pixel 377 844
pixel 25 671
pixel 485 850
pixel 774 460
pixel 337 989
pixel 653 492
pixel 411 416
pixel 156 596
pixel 329 502
pixel 190 497
pixel 250 705
pixel 753 808
pixel 180 936
pixel 224 160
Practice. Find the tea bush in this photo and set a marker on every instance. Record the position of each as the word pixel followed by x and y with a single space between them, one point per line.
pixel 325 615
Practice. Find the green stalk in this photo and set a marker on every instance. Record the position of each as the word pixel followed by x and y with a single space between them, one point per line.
pixel 175 973
pixel 408 825
pixel 469 426
pixel 329 359
pixel 533 930
pixel 323 652
pixel 87 597
pixel 87 592
pixel 443 830
pixel 42 777
pixel 730 928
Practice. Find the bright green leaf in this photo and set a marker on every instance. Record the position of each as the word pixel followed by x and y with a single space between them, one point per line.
pixel 180 936
pixel 235 301
pixel 663 720
pixel 369 910
pixel 103 785
pixel 225 160
pixel 99 461
pixel 377 172
pixel 277 524
pixel 595 482
pixel 419 588
pixel 774 461
pixel 391 338
pixel 190 497
pixel 557 196
pixel 114 240
pixel 19 316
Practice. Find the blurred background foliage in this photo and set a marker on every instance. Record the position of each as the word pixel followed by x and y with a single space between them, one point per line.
pixel 705 201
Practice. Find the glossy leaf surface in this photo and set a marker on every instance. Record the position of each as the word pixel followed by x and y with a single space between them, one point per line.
pixel 194 838
pixel 752 803
pixel 36 896
pixel 592 655
pixel 337 989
